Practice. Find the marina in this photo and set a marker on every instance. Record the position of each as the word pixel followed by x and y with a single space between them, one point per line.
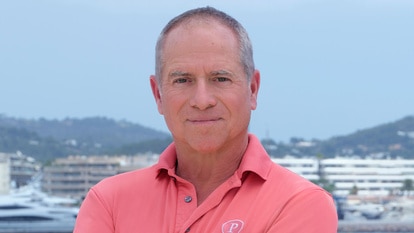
pixel 368 192
pixel 392 215
pixel 32 211
pixel 375 226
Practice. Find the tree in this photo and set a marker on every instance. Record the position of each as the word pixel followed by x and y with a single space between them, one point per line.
pixel 407 186
pixel 323 181
pixel 354 190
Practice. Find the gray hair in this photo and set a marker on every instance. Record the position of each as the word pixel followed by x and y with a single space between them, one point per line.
pixel 245 45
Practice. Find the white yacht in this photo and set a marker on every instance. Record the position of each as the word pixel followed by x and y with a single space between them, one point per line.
pixel 36 213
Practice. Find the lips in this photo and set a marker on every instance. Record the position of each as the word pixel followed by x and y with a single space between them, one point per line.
pixel 204 120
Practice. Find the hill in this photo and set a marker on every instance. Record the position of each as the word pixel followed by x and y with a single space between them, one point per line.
pixel 45 139
pixel 395 139
pixel 391 139
pixel 48 139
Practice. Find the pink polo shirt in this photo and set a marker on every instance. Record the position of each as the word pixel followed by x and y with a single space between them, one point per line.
pixel 261 196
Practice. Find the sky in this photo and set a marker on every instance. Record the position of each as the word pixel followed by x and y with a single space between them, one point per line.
pixel 328 68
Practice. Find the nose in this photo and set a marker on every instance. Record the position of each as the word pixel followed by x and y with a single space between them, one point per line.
pixel 203 96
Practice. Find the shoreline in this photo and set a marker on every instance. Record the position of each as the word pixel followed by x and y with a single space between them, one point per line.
pixel 375 226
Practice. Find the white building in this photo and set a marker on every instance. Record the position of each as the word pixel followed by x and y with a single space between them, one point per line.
pixel 16 170
pixel 306 167
pixel 4 174
pixel 368 176
pixel 22 169
pixel 74 175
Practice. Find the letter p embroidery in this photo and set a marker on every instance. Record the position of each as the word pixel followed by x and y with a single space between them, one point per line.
pixel 232 226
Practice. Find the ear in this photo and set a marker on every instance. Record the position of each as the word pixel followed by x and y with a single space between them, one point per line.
pixel 156 92
pixel 254 88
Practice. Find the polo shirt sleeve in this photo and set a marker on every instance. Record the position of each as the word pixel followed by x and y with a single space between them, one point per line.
pixel 94 215
pixel 309 211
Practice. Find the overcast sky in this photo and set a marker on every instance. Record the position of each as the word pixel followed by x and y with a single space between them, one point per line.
pixel 328 67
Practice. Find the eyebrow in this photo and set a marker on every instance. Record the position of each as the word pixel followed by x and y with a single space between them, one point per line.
pixel 221 72
pixel 178 74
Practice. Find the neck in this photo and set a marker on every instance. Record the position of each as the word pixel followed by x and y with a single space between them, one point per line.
pixel 207 171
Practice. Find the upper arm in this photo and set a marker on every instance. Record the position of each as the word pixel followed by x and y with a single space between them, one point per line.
pixel 310 211
pixel 94 215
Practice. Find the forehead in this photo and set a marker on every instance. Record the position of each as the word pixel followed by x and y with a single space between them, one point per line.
pixel 200 38
pixel 200 21
pixel 212 28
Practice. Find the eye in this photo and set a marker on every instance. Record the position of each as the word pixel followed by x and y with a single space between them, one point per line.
pixel 221 79
pixel 181 80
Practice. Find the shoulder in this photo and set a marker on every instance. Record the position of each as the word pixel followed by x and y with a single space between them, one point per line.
pixel 296 196
pixel 126 181
pixel 291 182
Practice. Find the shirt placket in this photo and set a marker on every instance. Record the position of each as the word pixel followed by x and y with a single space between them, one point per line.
pixel 186 204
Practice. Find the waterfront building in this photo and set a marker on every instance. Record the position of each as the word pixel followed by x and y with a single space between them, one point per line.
pixel 306 167
pixel 366 176
pixel 22 169
pixel 75 175
pixel 16 170
pixel 4 174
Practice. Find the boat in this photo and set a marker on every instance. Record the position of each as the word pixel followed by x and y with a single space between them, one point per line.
pixel 36 213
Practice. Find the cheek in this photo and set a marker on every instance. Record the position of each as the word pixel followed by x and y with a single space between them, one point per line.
pixel 171 104
pixel 238 106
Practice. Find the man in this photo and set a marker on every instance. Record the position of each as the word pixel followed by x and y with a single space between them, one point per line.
pixel 215 176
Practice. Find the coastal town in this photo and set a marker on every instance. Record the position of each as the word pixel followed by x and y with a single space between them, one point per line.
pixel 371 195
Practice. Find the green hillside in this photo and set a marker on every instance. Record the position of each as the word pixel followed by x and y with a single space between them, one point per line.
pixel 48 139
pixel 395 139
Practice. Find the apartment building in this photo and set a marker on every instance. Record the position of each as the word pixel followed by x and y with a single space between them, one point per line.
pixel 306 167
pixel 16 170
pixel 368 176
pixel 22 169
pixel 75 175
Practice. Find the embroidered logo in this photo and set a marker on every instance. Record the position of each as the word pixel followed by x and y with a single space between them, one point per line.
pixel 232 226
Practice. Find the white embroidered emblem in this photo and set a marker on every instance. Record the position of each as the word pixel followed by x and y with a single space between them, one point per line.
pixel 232 226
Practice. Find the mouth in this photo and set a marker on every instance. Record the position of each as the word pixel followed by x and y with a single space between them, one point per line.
pixel 204 120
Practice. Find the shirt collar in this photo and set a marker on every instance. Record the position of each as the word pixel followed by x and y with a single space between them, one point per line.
pixel 255 159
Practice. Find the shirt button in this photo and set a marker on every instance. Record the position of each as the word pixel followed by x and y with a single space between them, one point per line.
pixel 188 199
pixel 187 230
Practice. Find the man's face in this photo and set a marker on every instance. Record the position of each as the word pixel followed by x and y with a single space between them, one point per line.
pixel 204 94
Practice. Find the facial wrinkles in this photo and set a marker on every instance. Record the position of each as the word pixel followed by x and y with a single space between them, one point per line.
pixel 201 50
pixel 185 62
